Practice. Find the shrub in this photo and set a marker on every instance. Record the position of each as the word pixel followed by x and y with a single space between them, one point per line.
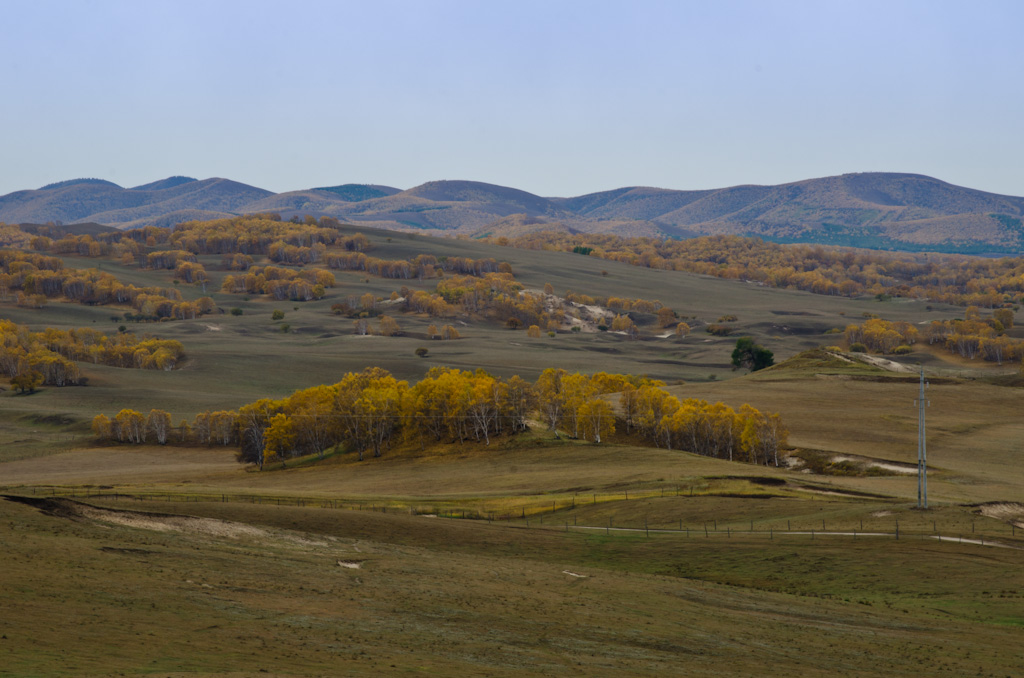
pixel 421 352
pixel 236 311
pixel 858 348
pixel 277 315
pixel 902 350
pixel 718 330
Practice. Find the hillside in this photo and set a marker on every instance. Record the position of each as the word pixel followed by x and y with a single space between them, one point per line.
pixel 107 203
pixel 870 210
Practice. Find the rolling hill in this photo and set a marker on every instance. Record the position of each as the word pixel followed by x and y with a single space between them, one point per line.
pixel 872 210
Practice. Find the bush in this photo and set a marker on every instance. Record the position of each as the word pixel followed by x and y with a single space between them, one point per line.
pixel 421 352
pixel 718 330
pixel 902 350
pixel 858 347
pixel 602 328
pixel 285 327
pixel 277 315
pixel 236 311
pixel 551 334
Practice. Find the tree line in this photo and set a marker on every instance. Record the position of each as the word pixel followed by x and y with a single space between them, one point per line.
pixel 30 359
pixel 969 337
pixel 954 279
pixel 37 278
pixel 281 283
pixel 370 410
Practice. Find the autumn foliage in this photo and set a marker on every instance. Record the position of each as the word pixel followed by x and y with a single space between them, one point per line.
pixel 953 279
pixel 370 410
pixel 52 353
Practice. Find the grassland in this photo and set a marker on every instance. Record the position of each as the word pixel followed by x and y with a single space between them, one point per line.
pixel 693 565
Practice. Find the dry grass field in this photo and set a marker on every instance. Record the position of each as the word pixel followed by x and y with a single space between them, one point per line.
pixel 531 556
pixel 292 592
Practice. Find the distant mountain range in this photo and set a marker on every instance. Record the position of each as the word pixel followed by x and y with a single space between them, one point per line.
pixel 875 210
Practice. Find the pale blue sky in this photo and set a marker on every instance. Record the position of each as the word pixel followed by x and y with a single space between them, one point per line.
pixel 557 98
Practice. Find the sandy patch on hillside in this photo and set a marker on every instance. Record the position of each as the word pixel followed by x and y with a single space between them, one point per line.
pixel 1010 511
pixel 885 466
pixel 884 363
pixel 163 523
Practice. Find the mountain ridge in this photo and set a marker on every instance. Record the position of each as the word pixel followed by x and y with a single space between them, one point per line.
pixel 881 210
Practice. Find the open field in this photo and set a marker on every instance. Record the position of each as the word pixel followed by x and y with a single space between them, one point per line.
pixel 291 591
pixel 692 564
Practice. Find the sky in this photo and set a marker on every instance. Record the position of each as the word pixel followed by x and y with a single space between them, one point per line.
pixel 558 98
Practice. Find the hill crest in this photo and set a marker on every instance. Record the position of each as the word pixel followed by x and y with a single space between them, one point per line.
pixel 876 210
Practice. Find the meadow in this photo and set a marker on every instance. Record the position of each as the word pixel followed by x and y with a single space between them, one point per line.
pixel 534 555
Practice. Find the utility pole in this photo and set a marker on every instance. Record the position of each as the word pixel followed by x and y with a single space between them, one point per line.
pixel 922 456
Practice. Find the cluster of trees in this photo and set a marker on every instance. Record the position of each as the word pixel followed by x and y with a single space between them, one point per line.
pixel 281 283
pixel 37 278
pixel 714 430
pixel 420 267
pixel 389 327
pixel 79 245
pixel 12 236
pixel 369 410
pixel 166 259
pixel 952 279
pixel 969 337
pixel 881 336
pixel 48 357
pixel 256 234
pixel 131 426
pixel 191 272
pixel 261 234
pixel 974 336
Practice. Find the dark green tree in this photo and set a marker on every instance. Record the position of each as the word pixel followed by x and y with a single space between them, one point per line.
pixel 751 355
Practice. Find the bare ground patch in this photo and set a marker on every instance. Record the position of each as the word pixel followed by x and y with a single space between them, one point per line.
pixel 1009 511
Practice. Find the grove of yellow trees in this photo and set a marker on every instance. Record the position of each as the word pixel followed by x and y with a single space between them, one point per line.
pixel 369 410
pixel 52 353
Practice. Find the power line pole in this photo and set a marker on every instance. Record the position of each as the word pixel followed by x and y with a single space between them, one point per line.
pixel 922 456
